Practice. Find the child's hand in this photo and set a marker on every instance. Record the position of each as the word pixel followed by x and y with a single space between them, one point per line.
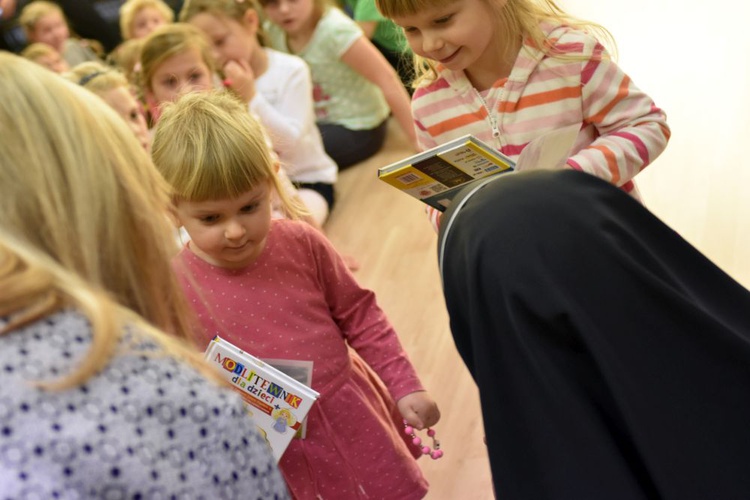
pixel 419 410
pixel 241 79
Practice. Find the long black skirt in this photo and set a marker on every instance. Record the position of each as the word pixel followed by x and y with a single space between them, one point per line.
pixel 612 358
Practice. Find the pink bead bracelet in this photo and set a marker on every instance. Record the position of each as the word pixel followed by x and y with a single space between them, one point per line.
pixel 435 452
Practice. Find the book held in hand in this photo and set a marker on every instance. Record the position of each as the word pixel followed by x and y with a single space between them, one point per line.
pixel 436 175
pixel 277 402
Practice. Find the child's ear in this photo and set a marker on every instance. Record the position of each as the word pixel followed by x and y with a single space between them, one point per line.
pixel 276 167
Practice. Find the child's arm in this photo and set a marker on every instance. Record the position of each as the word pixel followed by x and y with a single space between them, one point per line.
pixel 632 130
pixel 286 121
pixel 363 325
pixel 365 59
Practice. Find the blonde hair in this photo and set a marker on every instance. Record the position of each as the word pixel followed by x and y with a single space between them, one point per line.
pixel 520 20
pixel 231 9
pixel 96 77
pixel 36 50
pixel 33 12
pixel 127 58
pixel 167 41
pixel 208 147
pixel 131 8
pixel 83 219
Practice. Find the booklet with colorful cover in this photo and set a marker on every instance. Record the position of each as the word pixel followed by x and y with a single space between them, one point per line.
pixel 277 402
pixel 435 176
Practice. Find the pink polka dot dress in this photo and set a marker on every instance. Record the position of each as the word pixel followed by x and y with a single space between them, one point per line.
pixel 299 301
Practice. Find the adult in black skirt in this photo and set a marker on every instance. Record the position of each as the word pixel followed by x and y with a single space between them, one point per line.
pixel 612 358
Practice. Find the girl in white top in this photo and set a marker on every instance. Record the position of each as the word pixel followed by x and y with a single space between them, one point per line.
pixel 278 88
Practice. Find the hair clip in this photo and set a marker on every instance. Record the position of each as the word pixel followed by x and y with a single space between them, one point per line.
pixel 435 452
pixel 86 79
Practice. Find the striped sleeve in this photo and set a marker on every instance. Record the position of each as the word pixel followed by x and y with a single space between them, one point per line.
pixel 632 130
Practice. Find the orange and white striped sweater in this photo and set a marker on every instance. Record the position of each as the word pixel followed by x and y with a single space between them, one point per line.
pixel 622 130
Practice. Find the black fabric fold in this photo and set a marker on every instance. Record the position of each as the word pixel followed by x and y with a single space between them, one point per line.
pixel 612 358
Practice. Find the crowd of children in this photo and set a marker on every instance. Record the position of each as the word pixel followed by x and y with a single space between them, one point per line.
pixel 254 106
pixel 279 92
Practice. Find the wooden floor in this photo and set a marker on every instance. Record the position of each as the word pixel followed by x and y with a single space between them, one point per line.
pixel 389 234
pixel 693 60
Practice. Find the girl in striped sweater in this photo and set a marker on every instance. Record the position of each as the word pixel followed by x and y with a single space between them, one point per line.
pixel 508 71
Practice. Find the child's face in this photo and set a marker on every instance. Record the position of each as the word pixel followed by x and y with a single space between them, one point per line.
pixel 229 233
pixel 53 61
pixel 293 16
pixel 52 30
pixel 458 35
pixel 147 20
pixel 230 39
pixel 181 73
pixel 121 100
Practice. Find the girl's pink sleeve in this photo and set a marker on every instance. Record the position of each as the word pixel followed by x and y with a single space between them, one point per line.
pixel 362 322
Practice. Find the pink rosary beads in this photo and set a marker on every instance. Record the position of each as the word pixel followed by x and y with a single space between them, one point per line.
pixel 435 452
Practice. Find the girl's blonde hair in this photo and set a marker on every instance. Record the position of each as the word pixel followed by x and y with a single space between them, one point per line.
pixel 520 20
pixel 208 147
pixel 33 12
pixel 83 217
pixel 231 9
pixel 167 41
pixel 126 57
pixel 37 50
pixel 96 77
pixel 131 8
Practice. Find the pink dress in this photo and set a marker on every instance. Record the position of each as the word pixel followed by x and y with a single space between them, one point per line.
pixel 299 301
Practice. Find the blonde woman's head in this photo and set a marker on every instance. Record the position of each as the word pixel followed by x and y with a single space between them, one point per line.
pixel 77 187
